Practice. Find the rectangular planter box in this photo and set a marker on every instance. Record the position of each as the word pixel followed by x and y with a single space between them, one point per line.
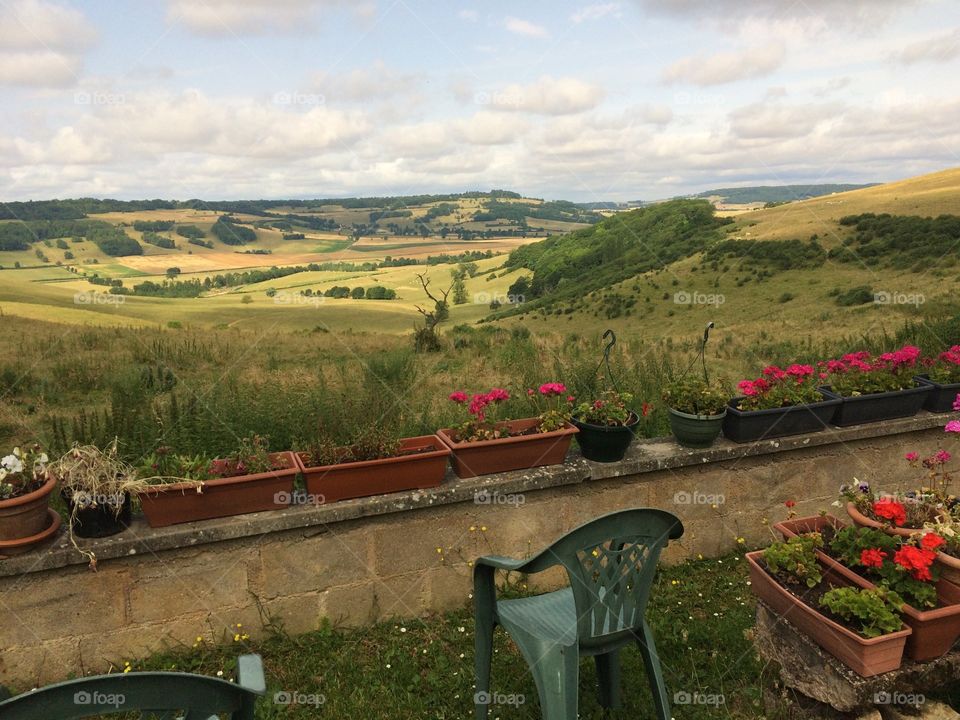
pixel 941 398
pixel 934 631
pixel 222 497
pixel 877 406
pixel 424 467
pixel 743 426
pixel 865 656
pixel 517 452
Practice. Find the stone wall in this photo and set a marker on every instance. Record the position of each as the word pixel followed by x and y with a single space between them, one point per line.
pixel 407 554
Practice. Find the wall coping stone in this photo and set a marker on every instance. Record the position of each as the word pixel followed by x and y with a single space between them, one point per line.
pixel 645 456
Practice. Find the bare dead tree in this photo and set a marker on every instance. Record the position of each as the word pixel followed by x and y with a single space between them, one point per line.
pixel 427 338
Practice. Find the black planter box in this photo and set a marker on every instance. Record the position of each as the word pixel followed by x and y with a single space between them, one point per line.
pixel 743 426
pixel 877 406
pixel 941 398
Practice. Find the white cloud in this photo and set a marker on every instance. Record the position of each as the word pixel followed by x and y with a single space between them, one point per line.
pixel 360 84
pixel 773 120
pixel 42 43
pixel 229 17
pixel 725 67
pixel 546 96
pixel 596 11
pixel 489 128
pixel 469 15
pixel 526 28
pixel 938 48
pixel 846 12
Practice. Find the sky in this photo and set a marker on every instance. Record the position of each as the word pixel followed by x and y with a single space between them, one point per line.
pixel 585 101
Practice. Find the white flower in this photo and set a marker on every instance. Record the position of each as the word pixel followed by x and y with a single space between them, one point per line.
pixel 12 463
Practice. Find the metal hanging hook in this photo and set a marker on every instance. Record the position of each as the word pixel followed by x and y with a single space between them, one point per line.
pixel 608 333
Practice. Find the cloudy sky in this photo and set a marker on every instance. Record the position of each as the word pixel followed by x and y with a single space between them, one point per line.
pixel 620 100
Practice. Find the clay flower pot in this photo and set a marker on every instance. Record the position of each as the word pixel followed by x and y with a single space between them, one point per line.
pixel 222 497
pixel 934 631
pixel 516 452
pixel 861 520
pixel 949 569
pixel 422 464
pixel 27 521
pixel 865 656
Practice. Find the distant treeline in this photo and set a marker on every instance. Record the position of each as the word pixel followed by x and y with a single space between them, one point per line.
pixel 230 233
pixel 376 292
pixel 900 241
pixel 519 212
pixel 153 225
pixel 111 240
pixel 778 193
pixel 776 254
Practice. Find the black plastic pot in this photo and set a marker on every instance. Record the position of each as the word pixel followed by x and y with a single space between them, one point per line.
pixel 605 443
pixel 744 426
pixel 941 398
pixel 876 407
pixel 100 520
pixel 695 431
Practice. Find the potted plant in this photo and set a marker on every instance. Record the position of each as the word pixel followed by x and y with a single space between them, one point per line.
pixel 26 519
pixel 874 389
pixel 183 489
pixel 484 444
pixel 861 627
pixel 696 407
pixel 777 404
pixel 942 374
pixel 376 463
pixel 96 485
pixel 868 558
pixel 607 425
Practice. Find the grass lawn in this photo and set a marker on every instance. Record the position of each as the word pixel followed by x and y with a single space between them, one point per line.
pixel 700 612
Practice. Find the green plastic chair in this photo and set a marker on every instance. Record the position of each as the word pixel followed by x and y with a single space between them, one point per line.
pixel 610 562
pixel 161 695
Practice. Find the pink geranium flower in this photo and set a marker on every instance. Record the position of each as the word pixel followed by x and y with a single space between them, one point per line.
pixel 553 389
pixel 953 426
pixel 459 396
pixel 956 403
pixel 912 456
pixel 942 456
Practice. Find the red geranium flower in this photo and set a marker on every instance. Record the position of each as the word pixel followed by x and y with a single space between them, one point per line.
pixel 872 557
pixel 890 510
pixel 932 541
pixel 916 560
pixel 790 503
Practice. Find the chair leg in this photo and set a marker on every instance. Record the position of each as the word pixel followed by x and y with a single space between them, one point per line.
pixel 483 657
pixel 651 661
pixel 556 672
pixel 608 679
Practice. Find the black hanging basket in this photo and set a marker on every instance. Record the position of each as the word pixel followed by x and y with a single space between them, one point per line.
pixel 605 443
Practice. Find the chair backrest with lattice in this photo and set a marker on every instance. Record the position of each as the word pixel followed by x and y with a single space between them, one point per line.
pixel 611 562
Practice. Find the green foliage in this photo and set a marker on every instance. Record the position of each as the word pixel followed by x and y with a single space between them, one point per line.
pixel 230 233
pixel 899 241
pixel 778 194
pixel 776 254
pixel 874 612
pixel 114 242
pixel 693 395
pixel 795 561
pixel 190 231
pixel 610 408
pixel 153 225
pixel 615 249
pixel 153 238
pixel 860 295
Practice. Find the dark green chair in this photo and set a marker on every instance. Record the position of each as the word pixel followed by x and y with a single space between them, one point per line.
pixel 161 695
pixel 610 562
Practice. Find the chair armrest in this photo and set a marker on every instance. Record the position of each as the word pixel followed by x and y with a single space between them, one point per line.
pixel 538 563
pixel 250 674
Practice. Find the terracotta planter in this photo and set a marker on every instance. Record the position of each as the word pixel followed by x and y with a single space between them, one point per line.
pixel 517 452
pixel 949 571
pixel 25 516
pixel 934 631
pixel 861 520
pixel 865 656
pixel 19 546
pixel 424 466
pixel 180 502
